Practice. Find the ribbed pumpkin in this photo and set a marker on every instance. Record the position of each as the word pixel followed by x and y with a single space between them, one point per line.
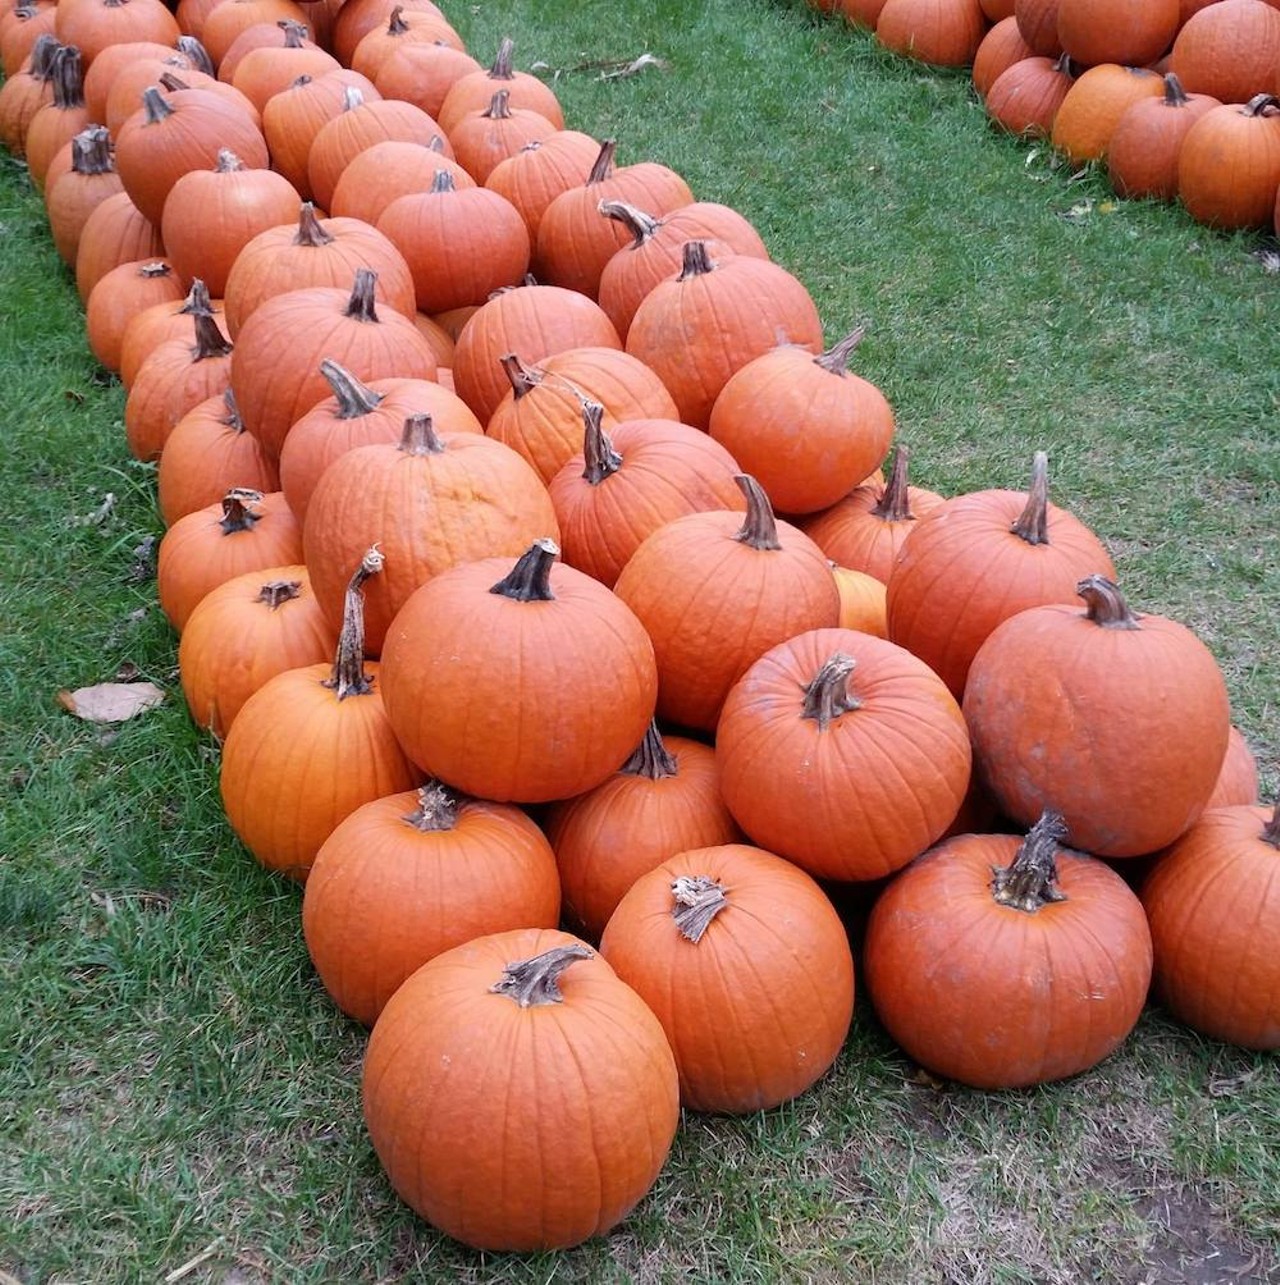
pixel 1213 903
pixel 494 1023
pixel 1131 32
pixel 407 877
pixel 227 20
pixel 359 414
pixel 1025 99
pixel 1142 160
pixel 625 484
pixel 575 243
pixel 94 25
pixel 475 92
pixel 115 232
pixel 665 799
pixel 246 531
pixel 1229 165
pixel 60 119
pixel 121 295
pixel 275 373
pixel 21 28
pixel 169 319
pixel 483 139
pixel 805 427
pixel 862 602
pixel 168 75
pixel 315 252
pixel 403 27
pixel 271 66
pixel 356 18
pixel 423 74
pixel 70 199
pixel 944 33
pixel 242 633
pixel 557 698
pixel 1237 783
pixel 1005 980
pixel 1093 106
pixel 865 530
pixel 1116 721
pixel 24 92
pixel 749 584
pixel 657 247
pixel 309 747
pixel 1229 50
pixel 980 558
pixel 207 454
pixel 385 171
pixel 428 502
pixel 700 328
pixel 1001 47
pixel 461 243
pixel 533 320
pixel 746 964
pixel 1038 22
pixel 541 170
pixel 842 753
pixel 541 417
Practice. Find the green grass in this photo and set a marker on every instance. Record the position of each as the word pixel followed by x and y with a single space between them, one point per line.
pixel 172 1077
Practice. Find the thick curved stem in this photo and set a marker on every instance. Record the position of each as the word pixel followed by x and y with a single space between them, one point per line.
pixel 275 593
pixel 1107 606
pixel 154 105
pixel 603 164
pixel 295 33
pixel 523 379
pixel 696 260
pixel 354 398
pixel 436 810
pixel 210 341
pixel 310 233
pixel 534 982
pixel 651 757
pixel 828 696
pixel 895 503
pixel 698 900
pixel 642 226
pixel 1033 523
pixel 419 436
pixel 360 306
pixel 601 460
pixel 530 579
pixel 760 528
pixel 237 515
pixel 503 64
pixel 348 677
pixel 1031 881
pixel 396 25
pixel 196 54
pixel 836 359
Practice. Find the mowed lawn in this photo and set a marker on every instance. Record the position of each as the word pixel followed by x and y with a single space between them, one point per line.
pixel 174 1083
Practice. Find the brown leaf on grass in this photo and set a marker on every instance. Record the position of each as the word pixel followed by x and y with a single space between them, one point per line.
pixel 111 702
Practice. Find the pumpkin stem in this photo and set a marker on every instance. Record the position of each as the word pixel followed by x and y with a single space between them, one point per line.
pixel 1031 880
pixel 696 260
pixel 828 696
pixel 760 529
pixel 349 677
pixel 437 809
pixel 197 300
pixel 502 63
pixel 231 414
pixel 352 98
pixel 895 503
pixel 523 379
pixel 396 25
pixel 419 436
pixel 602 460
pixel 236 513
pixel 1107 606
pixel 68 79
pixel 699 899
pixel 275 593
pixel 530 579
pixel 443 182
pixel 435 144
pixel 154 104
pixel 836 359
pixel 1033 523
pixel 603 165
pixel 91 151
pixel 354 398
pixel 499 106
pixel 172 82
pixel 42 56
pixel 1271 831
pixel 1174 94
pixel 228 161
pixel 360 305
pixel 1261 105
pixel 210 341
pixel 534 982
pixel 651 757
pixel 642 226
pixel 295 33
pixel 196 54
pixel 310 233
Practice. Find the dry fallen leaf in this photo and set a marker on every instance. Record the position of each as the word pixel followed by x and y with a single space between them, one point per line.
pixel 111 702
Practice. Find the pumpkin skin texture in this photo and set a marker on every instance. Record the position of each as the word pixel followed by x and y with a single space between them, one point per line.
pixel 862 599
pixel 1142 160
pixel 1118 722
pixel 388 170
pixel 423 74
pixel 1046 994
pixel 521 719
pixel 842 753
pixel 944 33
pixel 756 1001
pixel 979 559
pixel 1228 50
pixel 475 91
pixel 483 139
pixel 1093 106
pixel 1229 165
pixel 749 584
pixel 1213 902
pixel 520 1128
pixel 308 748
pixel 1237 783
pixel 71 197
pixel 663 800
pixel 1024 99
pixel 540 171
pixel 1001 47
pixel 1131 32
pixel 407 877
pixel 115 233
pixel 120 296
pixel 1038 22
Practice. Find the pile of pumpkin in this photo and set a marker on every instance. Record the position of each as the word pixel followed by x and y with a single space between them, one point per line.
pixel 480 583
pixel 1176 97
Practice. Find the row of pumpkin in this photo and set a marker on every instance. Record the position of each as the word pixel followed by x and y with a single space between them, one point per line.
pixel 1177 100
pixel 347 476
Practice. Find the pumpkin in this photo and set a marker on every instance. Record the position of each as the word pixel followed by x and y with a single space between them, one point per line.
pixel 540 171
pixel 171 318
pixel 60 119
pixel 356 18
pixel 121 295
pixel 309 747
pixel 1229 50
pixel 1038 22
pixel 385 171
pixel 226 21
pixel 1213 903
pixel 805 427
pixel 748 583
pixel 475 91
pixel 978 559
pixel 861 13
pixel 24 92
pixel 116 59
pixel 407 877
pixel 665 799
pixel 94 25
pixel 490 1024
pixel 428 502
pixel 1024 100
pixel 414 26
pixel 866 529
pixel 746 964
pixel 625 484
pixel 21 28
pixel 423 74
pixel 273 64
pixel 1003 963
pixel 1142 160
pixel 698 329
pixel 483 139
pixel 862 602
pixel 70 199
pixel 116 232
pixel 519 719
pixel 246 531
pixel 244 632
pixel 1131 32
pixel 843 753
pixel 1093 106
pixel 1229 164
pixel 945 33
pixel 1237 782
pixel 1001 47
